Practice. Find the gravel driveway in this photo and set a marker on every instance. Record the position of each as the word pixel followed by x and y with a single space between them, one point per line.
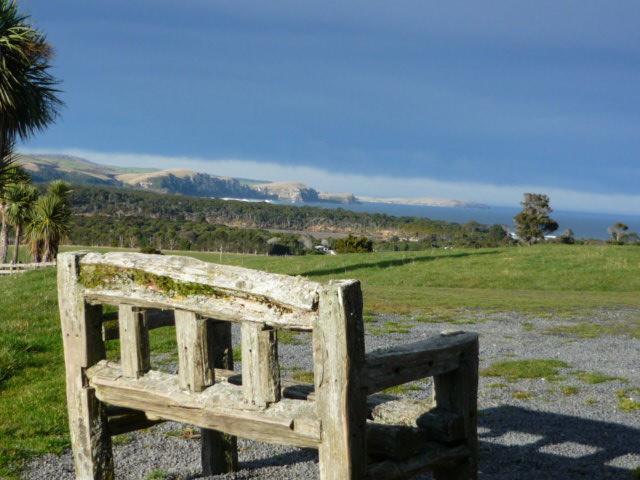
pixel 575 425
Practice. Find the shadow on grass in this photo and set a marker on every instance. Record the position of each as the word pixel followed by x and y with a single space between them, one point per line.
pixel 528 444
pixel 397 262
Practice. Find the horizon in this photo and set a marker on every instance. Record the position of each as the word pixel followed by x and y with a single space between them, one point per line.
pixel 477 103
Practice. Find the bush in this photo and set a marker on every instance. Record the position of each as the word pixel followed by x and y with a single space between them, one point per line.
pixel 353 244
pixel 150 249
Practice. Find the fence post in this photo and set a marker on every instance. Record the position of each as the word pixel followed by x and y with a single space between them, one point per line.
pixel 457 392
pixel 338 349
pixel 83 347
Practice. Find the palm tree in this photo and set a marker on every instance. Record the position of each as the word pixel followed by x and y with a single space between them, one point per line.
pixel 50 222
pixel 20 198
pixel 28 95
pixel 10 173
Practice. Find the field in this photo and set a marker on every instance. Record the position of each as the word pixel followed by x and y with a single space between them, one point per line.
pixel 553 281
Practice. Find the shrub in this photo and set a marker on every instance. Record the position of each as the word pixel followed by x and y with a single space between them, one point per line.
pixel 353 244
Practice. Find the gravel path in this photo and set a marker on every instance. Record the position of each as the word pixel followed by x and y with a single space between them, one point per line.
pixel 557 428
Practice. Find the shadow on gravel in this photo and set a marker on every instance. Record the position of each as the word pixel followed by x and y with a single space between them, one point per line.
pixel 526 444
pixel 397 262
pixel 248 468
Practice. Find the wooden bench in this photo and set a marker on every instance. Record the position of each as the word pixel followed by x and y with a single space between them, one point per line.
pixel 359 433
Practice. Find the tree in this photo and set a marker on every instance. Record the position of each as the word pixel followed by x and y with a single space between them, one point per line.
pixel 28 94
pixel 50 222
pixel 19 198
pixel 533 222
pixel 618 231
pixel 568 237
pixel 10 173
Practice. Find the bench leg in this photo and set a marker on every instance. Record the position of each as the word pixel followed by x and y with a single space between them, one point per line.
pixel 457 392
pixel 83 347
pixel 338 350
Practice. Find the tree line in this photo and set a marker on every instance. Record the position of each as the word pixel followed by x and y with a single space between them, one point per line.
pixel 139 232
pixel 121 203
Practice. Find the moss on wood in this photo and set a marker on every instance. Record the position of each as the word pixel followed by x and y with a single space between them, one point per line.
pixel 108 276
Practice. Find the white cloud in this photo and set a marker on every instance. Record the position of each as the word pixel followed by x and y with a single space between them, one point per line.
pixel 370 185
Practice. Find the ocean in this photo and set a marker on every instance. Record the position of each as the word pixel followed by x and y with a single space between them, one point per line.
pixel 583 224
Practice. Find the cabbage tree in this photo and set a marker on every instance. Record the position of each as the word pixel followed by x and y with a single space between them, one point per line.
pixel 28 95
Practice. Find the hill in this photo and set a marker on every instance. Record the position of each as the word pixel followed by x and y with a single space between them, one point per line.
pixel 79 171
pixel 76 170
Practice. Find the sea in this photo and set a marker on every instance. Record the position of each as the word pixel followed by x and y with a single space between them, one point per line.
pixel 585 225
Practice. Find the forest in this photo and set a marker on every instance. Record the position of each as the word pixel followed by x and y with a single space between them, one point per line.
pixel 129 218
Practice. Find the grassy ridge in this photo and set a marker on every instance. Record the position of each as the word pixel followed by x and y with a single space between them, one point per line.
pixel 435 284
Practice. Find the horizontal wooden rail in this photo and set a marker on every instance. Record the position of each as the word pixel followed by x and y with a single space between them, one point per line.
pixel 27 265
pixel 129 422
pixel 279 290
pixel 433 455
pixel 11 268
pixel 231 309
pixel 437 355
pixel 219 407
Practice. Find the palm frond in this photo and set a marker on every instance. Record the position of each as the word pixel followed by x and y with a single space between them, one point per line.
pixel 28 91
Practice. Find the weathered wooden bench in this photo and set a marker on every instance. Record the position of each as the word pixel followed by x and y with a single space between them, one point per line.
pixel 357 432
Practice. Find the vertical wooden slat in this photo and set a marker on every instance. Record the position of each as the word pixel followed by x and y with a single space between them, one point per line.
pixel 195 355
pixel 260 369
pixel 338 349
pixel 457 392
pixel 83 347
pixel 219 451
pixel 134 341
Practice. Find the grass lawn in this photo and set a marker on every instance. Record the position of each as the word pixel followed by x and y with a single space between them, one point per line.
pixel 435 284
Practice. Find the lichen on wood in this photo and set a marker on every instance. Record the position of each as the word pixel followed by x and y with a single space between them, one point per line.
pixel 108 276
pixel 96 276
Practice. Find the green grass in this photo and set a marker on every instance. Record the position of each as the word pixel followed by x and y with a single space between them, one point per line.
pixel 289 338
pixel 237 354
pixel 390 327
pixel 497 385
pixel 522 395
pixel 157 474
pixel 403 388
pixel 630 328
pixel 187 433
pixel 33 416
pixel 629 399
pixel 123 439
pixel 514 370
pixel 569 390
pixel 594 378
pixel 302 376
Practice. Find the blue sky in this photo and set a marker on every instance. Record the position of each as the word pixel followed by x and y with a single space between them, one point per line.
pixel 470 100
